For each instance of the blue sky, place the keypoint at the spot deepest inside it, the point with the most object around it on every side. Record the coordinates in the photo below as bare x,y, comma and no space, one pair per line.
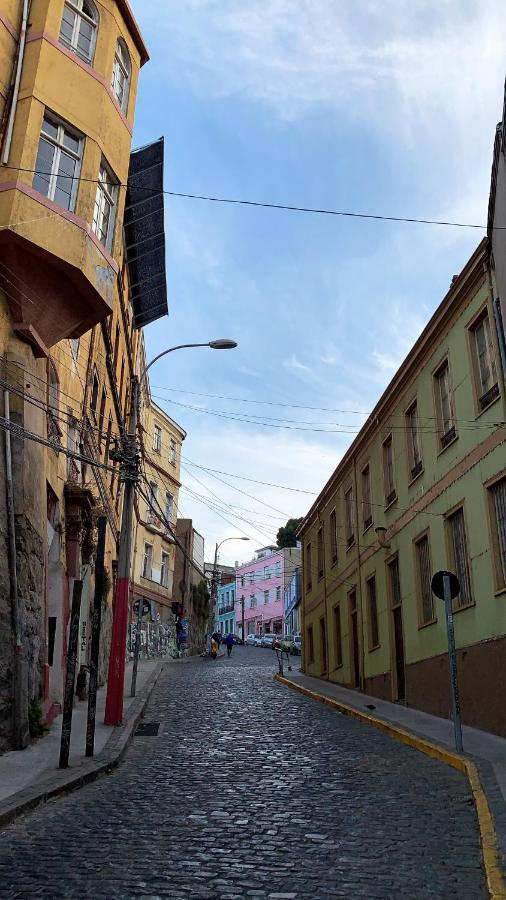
386,108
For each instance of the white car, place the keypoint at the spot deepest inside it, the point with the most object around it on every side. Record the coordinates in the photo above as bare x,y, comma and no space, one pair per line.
268,640
250,640
258,641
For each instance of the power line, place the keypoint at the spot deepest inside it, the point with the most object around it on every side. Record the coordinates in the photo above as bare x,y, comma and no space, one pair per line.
234,201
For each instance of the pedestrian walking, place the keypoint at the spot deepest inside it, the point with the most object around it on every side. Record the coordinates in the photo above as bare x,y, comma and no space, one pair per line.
229,641
214,648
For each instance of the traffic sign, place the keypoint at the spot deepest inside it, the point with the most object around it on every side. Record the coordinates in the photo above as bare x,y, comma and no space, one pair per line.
438,585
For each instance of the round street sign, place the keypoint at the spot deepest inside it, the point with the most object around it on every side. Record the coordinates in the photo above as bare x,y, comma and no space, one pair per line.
438,588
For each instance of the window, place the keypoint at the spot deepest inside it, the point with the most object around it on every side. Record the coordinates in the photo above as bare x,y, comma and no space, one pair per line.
350,516
309,580
267,572
169,506
484,362
252,601
116,348
372,611
173,452
106,202
242,580
94,391
394,583
164,576
251,577
278,593
333,536
388,471
152,514
458,556
278,567
58,162
147,561
266,596
338,636
310,644
121,72
424,580
53,396
320,553
444,406
366,497
157,439
414,443
108,438
78,30
101,417
497,499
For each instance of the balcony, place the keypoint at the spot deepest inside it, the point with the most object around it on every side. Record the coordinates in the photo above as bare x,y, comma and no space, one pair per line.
57,277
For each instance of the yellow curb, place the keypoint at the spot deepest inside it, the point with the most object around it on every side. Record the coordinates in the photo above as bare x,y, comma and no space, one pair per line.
488,836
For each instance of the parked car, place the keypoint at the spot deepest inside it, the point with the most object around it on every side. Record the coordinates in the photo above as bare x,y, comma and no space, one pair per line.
258,641
268,640
238,640
283,643
250,640
296,645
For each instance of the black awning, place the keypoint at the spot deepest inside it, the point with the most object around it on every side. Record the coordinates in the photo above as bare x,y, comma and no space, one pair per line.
145,235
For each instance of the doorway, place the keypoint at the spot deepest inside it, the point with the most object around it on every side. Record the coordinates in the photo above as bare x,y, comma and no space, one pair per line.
355,657
323,645
399,660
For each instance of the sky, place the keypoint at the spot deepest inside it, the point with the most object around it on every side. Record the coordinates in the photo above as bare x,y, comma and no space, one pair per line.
349,105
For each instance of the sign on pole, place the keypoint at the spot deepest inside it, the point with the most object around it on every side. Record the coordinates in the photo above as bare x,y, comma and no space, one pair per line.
445,585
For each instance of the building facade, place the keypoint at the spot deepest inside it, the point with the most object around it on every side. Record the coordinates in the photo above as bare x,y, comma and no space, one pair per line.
293,598
226,608
71,308
421,489
156,516
190,592
260,585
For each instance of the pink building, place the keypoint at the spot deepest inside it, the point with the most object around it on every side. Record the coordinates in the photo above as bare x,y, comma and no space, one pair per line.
260,585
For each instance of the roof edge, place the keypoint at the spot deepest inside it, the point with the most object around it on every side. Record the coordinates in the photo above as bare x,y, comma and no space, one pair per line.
133,27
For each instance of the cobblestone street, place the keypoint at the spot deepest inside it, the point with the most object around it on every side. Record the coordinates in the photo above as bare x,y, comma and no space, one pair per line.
253,791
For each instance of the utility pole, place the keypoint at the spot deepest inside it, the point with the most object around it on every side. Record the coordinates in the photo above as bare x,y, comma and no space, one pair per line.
95,635
214,592
130,476
242,618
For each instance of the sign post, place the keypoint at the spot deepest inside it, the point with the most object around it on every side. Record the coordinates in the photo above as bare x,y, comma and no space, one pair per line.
445,585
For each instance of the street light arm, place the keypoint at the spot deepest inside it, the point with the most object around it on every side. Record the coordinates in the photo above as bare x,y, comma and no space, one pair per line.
164,353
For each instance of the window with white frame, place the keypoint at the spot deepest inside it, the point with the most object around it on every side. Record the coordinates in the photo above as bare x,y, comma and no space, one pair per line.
58,162
78,29
173,452
121,75
106,202
485,364
157,439
164,574
444,405
278,593
147,561
169,506
459,558
266,596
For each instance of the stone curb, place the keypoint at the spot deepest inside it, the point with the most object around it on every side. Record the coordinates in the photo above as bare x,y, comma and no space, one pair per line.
63,781
488,836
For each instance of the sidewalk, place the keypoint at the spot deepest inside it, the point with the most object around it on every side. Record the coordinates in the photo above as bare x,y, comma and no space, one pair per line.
31,776
488,751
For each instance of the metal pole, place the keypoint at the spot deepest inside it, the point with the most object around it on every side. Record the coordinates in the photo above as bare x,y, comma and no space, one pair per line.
95,635
20,729
71,674
452,662
116,675
137,647
242,615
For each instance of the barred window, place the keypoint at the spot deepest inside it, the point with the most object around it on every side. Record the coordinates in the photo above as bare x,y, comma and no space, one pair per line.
333,536
459,556
320,553
372,610
414,443
350,517
424,580
497,495
366,497
338,636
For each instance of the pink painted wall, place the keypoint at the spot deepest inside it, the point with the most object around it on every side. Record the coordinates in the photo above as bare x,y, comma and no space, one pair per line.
270,573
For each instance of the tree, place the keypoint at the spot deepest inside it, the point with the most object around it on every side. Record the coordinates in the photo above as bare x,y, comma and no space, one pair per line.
286,536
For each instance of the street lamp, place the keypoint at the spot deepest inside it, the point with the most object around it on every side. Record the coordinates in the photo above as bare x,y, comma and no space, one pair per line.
214,583
130,476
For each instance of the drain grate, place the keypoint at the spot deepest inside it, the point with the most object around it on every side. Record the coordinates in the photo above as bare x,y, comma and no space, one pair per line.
147,729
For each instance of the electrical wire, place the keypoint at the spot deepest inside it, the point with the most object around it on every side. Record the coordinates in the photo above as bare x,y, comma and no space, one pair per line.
278,206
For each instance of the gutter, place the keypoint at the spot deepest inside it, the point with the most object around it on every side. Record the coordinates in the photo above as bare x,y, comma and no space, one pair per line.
17,81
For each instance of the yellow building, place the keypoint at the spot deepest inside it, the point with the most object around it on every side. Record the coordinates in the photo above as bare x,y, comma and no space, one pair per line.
422,488
73,298
157,506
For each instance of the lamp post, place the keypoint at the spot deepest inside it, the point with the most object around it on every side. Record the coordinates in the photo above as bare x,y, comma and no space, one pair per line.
214,582
129,459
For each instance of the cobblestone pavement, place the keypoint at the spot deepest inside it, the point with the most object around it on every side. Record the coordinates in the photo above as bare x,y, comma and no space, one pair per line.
252,791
